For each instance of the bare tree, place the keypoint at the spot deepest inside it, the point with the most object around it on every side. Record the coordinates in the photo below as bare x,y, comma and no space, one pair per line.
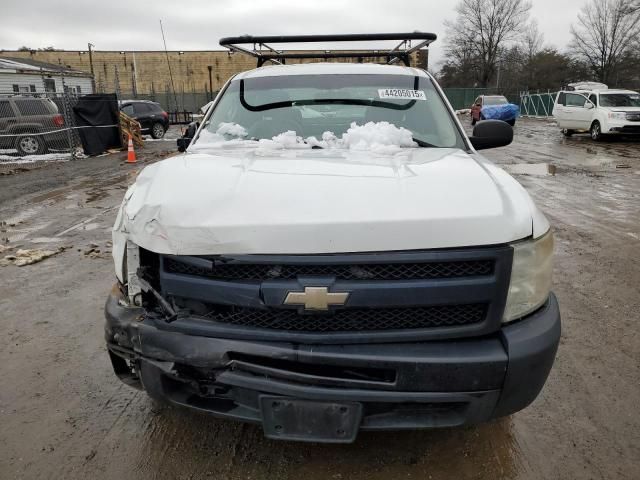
482,28
606,32
532,40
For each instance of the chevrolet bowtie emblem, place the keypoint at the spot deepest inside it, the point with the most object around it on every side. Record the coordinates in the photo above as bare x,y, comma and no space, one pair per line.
316,298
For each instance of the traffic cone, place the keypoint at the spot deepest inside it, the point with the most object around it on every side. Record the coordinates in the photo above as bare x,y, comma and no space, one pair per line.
131,153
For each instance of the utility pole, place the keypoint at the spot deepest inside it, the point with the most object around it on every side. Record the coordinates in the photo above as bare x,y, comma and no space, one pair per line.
210,68
93,77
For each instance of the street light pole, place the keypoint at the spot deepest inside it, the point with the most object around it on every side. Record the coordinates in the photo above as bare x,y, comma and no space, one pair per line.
93,77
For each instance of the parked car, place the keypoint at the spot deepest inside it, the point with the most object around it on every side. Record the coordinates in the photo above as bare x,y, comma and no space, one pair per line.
31,125
332,254
153,119
492,101
600,112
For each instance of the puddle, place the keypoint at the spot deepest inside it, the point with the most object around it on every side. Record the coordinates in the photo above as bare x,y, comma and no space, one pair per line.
530,169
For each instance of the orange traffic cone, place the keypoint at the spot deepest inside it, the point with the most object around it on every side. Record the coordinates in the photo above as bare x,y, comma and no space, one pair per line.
131,153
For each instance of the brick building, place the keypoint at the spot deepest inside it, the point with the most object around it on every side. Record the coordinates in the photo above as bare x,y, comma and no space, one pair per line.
145,74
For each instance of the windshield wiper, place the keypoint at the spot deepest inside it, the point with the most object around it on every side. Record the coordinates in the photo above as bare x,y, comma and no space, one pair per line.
322,101
423,144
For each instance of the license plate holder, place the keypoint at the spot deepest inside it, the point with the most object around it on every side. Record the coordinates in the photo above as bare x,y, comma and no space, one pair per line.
310,421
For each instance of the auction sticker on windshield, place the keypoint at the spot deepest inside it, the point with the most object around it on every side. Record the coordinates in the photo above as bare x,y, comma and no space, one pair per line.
402,93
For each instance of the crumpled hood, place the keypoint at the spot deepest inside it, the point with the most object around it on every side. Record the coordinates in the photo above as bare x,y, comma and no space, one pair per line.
249,201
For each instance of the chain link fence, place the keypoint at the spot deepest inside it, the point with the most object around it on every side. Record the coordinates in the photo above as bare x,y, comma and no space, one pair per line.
49,126
38,125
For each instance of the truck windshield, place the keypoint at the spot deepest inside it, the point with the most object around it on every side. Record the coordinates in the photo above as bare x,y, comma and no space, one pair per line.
312,105
620,100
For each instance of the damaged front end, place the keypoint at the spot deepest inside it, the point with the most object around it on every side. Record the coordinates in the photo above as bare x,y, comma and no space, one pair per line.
418,344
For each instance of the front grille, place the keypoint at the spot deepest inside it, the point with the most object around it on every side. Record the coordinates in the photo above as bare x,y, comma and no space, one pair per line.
379,271
349,320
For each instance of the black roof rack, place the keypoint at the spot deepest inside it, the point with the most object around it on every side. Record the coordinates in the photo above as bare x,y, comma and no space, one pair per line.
264,53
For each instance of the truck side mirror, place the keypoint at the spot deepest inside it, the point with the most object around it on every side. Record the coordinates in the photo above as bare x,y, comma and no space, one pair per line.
183,144
185,141
589,105
491,134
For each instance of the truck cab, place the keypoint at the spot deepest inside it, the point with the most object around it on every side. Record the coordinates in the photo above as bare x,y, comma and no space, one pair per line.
332,254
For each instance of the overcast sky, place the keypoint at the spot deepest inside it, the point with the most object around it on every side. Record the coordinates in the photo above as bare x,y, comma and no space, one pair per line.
198,24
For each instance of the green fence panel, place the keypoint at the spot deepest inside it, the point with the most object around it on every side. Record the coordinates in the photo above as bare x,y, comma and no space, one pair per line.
537,104
462,98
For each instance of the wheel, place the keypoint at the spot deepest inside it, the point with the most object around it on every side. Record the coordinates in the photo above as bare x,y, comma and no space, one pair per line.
512,122
596,131
157,130
31,145
566,132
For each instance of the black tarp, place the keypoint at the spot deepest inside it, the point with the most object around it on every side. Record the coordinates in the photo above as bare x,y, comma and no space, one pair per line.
98,117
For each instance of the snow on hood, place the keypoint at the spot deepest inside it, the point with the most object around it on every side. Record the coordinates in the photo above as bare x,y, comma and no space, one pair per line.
303,201
381,137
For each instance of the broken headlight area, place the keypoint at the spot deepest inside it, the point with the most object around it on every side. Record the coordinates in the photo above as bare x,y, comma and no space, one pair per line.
141,276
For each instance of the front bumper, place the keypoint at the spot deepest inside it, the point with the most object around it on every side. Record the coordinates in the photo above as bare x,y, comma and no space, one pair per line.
624,129
396,386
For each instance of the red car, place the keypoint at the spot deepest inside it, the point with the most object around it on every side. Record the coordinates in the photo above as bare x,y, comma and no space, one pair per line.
483,101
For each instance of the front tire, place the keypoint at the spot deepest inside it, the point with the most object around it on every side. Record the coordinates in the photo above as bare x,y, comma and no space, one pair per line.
30,145
157,131
596,131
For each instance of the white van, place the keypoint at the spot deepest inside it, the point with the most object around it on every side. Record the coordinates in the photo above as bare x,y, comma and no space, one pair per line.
598,111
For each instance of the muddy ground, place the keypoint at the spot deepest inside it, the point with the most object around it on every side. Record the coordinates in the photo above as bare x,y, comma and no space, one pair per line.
63,414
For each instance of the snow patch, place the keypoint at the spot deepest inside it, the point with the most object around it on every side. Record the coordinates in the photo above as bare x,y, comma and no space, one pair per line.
232,129
227,135
287,140
379,137
48,157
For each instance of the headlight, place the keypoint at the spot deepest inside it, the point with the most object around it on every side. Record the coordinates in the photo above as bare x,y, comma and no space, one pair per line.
530,277
617,115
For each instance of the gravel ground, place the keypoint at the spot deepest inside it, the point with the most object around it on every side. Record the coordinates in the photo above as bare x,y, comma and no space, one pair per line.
65,415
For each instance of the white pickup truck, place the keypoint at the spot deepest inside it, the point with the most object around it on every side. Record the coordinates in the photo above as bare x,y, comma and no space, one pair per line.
331,254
